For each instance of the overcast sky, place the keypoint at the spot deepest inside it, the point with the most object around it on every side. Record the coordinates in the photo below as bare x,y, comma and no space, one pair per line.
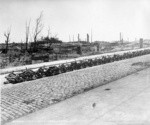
106,18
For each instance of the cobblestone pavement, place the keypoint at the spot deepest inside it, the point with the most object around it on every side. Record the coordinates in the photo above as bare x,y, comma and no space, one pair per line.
122,102
27,97
21,100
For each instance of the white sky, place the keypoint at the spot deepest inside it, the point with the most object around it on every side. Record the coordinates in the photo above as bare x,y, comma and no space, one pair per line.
69,17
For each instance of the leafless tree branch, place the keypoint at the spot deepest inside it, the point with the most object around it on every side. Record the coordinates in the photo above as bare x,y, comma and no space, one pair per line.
7,35
38,28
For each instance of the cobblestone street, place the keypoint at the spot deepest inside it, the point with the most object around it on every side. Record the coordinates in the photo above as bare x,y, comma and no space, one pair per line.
124,101
27,97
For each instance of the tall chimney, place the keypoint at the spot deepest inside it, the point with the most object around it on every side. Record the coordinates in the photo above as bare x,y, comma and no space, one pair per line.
88,38
78,37
120,37
141,42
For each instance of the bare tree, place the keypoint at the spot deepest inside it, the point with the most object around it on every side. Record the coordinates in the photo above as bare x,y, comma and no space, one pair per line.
7,35
38,28
27,33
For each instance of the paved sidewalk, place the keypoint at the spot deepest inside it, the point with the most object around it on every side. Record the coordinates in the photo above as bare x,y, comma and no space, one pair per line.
122,102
